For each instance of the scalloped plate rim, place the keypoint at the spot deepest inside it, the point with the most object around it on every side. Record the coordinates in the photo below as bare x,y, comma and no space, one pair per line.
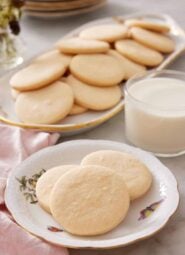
116,242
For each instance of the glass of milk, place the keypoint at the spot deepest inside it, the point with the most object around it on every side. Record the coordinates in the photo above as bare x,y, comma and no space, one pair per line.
155,112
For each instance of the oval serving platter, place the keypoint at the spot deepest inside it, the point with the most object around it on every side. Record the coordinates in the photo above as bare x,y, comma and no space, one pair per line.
80,123
146,216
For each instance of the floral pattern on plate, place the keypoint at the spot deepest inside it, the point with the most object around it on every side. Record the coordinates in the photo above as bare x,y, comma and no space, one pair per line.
145,213
38,222
27,186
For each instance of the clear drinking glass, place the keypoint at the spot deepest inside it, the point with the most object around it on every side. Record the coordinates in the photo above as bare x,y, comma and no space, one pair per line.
155,112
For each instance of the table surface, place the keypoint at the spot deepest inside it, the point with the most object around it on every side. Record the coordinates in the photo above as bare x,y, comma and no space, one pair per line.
40,34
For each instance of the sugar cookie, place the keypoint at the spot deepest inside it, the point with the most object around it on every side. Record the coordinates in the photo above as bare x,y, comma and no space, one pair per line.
14,93
150,25
46,183
138,52
77,109
94,98
66,58
129,67
39,73
89,200
45,106
76,45
97,69
153,40
106,32
136,175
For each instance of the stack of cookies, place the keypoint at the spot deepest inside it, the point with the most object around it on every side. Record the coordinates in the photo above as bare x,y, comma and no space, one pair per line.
84,72
60,8
94,197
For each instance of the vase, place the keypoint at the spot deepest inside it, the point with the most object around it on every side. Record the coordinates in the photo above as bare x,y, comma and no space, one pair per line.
11,50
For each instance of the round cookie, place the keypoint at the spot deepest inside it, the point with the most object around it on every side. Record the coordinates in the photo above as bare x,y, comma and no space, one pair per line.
106,32
129,67
76,45
136,175
97,69
66,58
40,73
15,93
153,40
46,183
85,200
94,98
139,53
77,109
150,25
45,106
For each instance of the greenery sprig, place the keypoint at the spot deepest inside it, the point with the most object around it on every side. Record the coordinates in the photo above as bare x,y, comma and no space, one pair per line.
10,13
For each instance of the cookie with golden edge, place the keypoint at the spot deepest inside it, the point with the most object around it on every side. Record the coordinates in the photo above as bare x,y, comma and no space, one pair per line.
139,53
40,73
46,183
47,105
76,45
129,67
77,109
154,40
136,175
14,93
94,98
106,32
89,200
97,69
147,24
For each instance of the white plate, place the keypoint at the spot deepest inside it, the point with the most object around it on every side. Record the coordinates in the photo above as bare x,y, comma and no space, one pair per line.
90,119
157,206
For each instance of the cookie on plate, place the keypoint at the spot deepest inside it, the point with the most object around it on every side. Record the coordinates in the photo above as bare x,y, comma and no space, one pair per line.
46,183
77,109
153,40
94,98
85,199
106,32
129,67
15,93
66,58
47,105
136,175
139,53
97,69
76,45
40,73
147,24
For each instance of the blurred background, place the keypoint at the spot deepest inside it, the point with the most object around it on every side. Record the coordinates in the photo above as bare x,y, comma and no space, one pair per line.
43,22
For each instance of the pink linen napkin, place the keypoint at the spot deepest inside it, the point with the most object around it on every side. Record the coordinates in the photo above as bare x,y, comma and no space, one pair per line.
15,145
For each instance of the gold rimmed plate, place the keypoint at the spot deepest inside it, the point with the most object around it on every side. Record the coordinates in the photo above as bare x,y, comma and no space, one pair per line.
80,123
